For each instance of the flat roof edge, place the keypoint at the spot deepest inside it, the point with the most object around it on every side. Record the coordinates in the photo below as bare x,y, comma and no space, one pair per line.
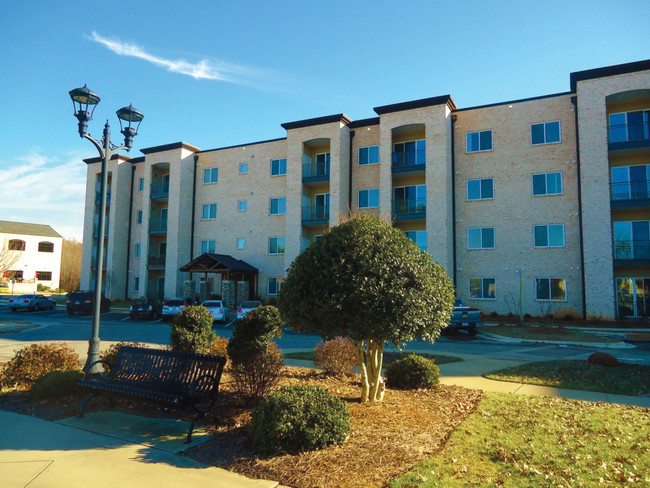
327,119
413,104
617,69
169,147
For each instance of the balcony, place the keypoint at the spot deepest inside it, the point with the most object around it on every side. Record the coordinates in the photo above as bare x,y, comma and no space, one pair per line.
410,209
315,215
632,253
158,226
156,262
630,194
96,230
412,160
625,136
315,172
159,191
93,263
98,196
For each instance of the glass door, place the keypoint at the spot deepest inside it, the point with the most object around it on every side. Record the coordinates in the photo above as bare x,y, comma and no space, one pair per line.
322,210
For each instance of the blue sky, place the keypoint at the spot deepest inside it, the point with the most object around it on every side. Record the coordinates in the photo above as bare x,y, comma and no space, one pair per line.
216,73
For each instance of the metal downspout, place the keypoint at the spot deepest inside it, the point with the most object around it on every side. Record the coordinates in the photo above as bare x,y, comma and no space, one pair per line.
453,202
350,175
196,160
574,101
128,238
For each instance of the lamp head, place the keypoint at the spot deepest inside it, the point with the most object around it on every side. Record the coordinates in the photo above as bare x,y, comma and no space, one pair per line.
84,102
129,115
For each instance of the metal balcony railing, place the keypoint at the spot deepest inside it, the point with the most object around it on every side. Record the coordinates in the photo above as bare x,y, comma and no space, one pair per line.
98,197
316,170
404,160
158,226
636,132
630,190
410,207
93,263
156,260
96,229
160,190
315,213
632,250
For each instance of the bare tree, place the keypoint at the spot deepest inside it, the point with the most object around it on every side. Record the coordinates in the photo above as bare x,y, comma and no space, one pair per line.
71,264
8,257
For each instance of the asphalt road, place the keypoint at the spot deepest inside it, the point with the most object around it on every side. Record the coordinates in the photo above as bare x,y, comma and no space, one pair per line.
57,325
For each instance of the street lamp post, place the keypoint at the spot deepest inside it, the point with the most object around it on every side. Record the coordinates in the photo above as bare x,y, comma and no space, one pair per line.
84,100
521,296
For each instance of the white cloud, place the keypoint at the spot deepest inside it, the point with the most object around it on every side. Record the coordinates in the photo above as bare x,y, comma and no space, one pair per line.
207,69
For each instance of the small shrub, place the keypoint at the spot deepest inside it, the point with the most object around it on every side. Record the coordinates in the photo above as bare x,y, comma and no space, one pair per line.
110,354
297,418
254,332
58,384
494,314
41,287
604,359
412,372
192,330
33,361
271,302
258,374
219,347
336,356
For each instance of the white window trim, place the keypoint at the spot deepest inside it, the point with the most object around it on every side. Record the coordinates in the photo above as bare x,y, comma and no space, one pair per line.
208,205
269,246
240,168
547,194
566,289
139,217
481,198
368,147
279,281
211,170
467,151
140,184
285,205
285,167
208,241
368,190
245,202
136,284
138,250
238,239
494,235
549,246
469,288
544,123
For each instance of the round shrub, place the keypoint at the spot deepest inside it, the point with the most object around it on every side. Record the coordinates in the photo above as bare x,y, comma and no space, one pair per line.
412,372
336,356
110,354
604,359
219,347
296,418
33,361
58,384
258,374
192,330
254,332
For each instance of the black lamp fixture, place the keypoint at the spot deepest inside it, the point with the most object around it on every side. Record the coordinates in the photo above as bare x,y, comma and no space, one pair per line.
84,102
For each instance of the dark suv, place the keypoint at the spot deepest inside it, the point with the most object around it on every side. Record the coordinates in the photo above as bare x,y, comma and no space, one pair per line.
82,301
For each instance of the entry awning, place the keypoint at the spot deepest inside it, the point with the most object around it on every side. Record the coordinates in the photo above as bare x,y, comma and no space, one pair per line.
218,263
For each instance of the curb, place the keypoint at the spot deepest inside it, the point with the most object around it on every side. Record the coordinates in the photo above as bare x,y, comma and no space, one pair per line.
603,345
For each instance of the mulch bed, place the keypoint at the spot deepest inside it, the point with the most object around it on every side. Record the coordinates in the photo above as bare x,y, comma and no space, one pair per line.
388,438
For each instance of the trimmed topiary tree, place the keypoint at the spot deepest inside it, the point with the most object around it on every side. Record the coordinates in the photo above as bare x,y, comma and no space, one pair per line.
367,281
254,332
192,330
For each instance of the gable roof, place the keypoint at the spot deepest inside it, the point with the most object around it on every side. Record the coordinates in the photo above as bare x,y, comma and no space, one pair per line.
8,227
217,263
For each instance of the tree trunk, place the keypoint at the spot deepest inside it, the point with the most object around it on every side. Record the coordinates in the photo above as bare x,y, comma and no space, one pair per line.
370,357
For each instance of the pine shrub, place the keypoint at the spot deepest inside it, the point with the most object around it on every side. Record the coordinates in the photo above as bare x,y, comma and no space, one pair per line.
297,418
33,361
336,356
58,384
412,372
254,332
192,330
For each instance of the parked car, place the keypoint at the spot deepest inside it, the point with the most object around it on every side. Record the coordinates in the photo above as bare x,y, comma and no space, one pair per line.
244,307
32,302
82,301
143,308
172,306
218,310
465,318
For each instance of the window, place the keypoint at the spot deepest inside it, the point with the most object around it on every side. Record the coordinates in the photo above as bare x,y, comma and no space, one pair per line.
369,198
479,141
138,249
44,276
138,218
140,184
276,245
16,245
210,175
136,284
207,246
631,182
274,285
545,133
368,155
419,237
547,184
482,288
278,206
482,189
550,289
480,238
241,243
243,168
629,126
409,153
632,239
45,246
209,211
278,167
242,205
549,235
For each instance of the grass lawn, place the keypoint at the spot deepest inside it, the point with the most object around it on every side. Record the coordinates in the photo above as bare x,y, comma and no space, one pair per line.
627,379
544,333
522,441
389,357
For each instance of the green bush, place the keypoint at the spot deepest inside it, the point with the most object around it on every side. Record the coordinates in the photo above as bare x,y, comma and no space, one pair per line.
254,332
412,372
336,356
33,361
40,287
110,354
258,374
297,418
219,347
58,384
192,330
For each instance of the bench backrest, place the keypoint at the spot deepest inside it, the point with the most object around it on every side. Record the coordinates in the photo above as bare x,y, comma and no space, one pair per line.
172,371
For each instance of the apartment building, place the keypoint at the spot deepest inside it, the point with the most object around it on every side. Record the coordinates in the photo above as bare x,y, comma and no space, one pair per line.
542,202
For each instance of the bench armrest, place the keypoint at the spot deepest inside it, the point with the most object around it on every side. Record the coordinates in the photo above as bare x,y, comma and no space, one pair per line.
86,374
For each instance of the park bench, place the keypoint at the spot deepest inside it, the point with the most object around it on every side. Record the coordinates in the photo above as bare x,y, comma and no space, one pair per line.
172,378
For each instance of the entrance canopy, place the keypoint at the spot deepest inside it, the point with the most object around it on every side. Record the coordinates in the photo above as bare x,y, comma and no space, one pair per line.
229,267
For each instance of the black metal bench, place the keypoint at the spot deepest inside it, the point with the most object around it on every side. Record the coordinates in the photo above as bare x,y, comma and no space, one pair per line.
173,378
